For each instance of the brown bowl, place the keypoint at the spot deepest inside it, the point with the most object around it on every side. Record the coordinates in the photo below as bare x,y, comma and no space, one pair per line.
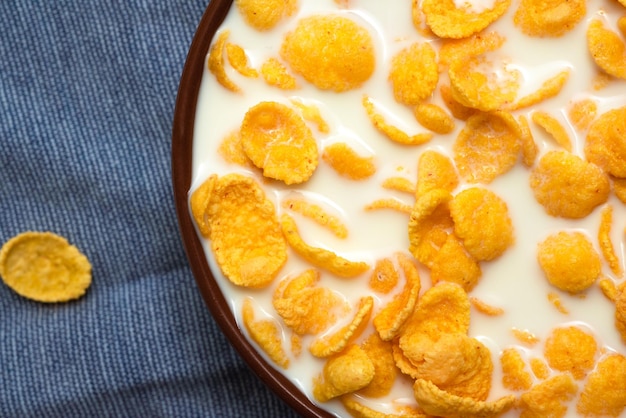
182,145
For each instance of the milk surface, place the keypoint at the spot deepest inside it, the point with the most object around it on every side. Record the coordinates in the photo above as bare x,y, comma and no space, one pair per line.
514,281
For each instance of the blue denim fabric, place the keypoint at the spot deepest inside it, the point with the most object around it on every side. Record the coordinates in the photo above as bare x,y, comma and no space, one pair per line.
87,92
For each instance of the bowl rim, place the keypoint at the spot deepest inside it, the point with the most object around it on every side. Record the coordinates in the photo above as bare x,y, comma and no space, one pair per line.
181,158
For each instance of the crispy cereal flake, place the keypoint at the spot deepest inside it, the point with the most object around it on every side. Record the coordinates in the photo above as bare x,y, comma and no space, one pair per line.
568,187
199,202
607,49
344,373
514,374
392,132
582,113
265,14
385,370
458,110
384,277
237,203
347,163
231,150
311,112
554,128
446,20
216,62
317,214
429,225
332,52
460,49
435,171
434,118
550,88
239,60
266,334
605,145
569,261
453,264
540,368
604,238
549,18
604,393
45,267
485,308
620,310
277,140
414,73
276,74
570,349
548,398
530,150
481,220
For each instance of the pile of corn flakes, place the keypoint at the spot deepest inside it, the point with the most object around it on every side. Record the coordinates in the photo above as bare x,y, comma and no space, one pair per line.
396,333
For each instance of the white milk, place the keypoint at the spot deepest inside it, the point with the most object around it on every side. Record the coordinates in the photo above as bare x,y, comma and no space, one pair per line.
514,281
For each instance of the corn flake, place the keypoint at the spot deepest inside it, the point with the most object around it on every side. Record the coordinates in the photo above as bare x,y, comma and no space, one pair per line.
457,109
392,132
540,368
604,238
482,222
555,299
620,310
317,214
608,288
582,113
347,163
548,398
487,147
400,184
484,308
385,371
460,49
549,18
393,204
607,49
570,349
216,62
605,145
384,277
514,374
530,150
331,52
446,20
619,188
568,187
237,203
554,128
453,264
45,267
550,88
276,74
389,320
199,202
231,150
266,334
338,341
318,256
434,118
239,61
414,73
435,171
437,402
312,113
569,261
344,373
525,336
265,14
358,410
604,393
277,140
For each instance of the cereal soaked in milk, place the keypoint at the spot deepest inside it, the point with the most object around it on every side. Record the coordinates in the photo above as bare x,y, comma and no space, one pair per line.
416,208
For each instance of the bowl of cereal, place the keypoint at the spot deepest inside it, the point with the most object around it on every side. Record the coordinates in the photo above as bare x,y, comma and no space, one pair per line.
412,208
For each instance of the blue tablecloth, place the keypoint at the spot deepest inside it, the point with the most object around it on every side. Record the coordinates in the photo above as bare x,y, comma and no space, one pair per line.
87,92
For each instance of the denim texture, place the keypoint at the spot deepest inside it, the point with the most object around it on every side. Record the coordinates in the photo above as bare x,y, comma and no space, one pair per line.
87,93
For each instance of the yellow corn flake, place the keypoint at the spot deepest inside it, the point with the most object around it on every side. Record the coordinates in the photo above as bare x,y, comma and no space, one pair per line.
548,398
549,18
317,214
338,341
429,225
482,222
393,133
320,257
568,187
457,109
266,334
419,21
550,88
487,147
332,52
604,238
437,402
608,288
276,74
555,299
216,62
199,202
602,81
434,118
265,14
442,309
384,277
484,308
305,307
607,49
277,140
619,188
455,363
358,410
453,264
514,374
385,371
312,113
605,145
414,73
460,49
435,171
237,203
604,393
344,373
45,267
402,362
582,113
400,184
554,128
530,150
393,204
620,310
569,261
446,20
296,345
572,350
478,83
231,150
239,61
540,368
346,162
525,336
389,320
